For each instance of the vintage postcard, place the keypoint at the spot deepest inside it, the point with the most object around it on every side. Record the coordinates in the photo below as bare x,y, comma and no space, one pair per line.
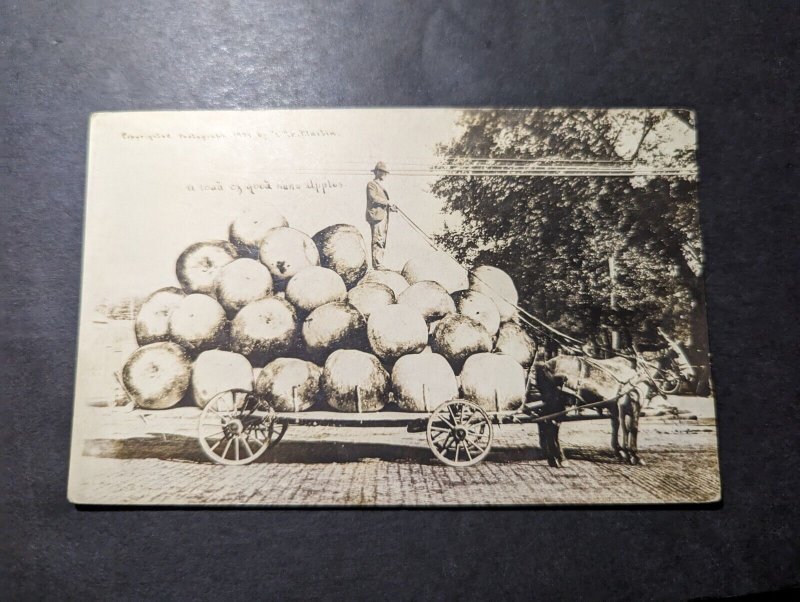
393,307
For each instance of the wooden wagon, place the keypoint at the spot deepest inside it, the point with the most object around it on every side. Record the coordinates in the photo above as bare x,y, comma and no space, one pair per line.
237,427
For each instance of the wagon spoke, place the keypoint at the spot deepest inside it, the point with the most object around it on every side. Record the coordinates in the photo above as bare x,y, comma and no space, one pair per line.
240,403
440,429
254,438
472,417
452,415
265,435
475,445
246,445
468,444
261,443
236,449
216,445
223,399
476,426
227,447
458,447
213,411
435,436
223,414
445,420
445,445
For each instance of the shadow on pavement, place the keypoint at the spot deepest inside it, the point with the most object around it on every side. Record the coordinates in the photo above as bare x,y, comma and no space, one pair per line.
181,448
591,454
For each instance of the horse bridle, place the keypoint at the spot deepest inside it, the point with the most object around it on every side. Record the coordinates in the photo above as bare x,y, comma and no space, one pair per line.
640,361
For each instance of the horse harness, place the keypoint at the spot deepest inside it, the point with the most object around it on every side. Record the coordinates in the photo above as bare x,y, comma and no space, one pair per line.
583,373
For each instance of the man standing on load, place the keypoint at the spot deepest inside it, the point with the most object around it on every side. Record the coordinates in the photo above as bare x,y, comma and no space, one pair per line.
378,208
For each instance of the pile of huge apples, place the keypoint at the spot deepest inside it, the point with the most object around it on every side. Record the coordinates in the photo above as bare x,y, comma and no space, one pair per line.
303,322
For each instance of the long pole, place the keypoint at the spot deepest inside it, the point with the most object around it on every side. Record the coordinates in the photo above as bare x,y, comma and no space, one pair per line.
524,317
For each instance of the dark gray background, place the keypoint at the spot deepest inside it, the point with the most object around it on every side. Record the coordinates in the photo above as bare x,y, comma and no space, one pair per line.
735,63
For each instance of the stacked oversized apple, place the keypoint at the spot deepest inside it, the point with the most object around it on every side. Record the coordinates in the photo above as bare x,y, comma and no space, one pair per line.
304,323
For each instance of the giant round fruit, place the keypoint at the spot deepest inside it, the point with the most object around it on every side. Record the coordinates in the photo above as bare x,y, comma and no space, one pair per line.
396,330
248,230
264,330
354,381
499,287
216,371
198,322
428,298
423,381
456,337
342,249
289,385
286,251
198,265
152,321
333,326
494,381
242,281
314,286
438,267
394,280
480,308
513,341
369,296
157,376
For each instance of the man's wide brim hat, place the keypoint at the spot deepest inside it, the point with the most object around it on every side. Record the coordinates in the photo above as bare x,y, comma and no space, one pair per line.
381,166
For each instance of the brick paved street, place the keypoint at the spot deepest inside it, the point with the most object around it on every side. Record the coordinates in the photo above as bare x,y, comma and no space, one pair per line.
390,467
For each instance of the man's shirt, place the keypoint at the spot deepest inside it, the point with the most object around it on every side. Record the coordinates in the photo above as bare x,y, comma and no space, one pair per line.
377,202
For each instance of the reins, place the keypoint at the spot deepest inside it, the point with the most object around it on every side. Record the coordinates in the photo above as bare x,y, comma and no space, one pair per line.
540,325
525,316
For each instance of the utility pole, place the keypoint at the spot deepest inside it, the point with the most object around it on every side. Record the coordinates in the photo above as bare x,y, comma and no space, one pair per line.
612,276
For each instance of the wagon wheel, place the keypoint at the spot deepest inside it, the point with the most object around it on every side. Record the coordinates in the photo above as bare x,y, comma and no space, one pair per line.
236,428
459,433
671,383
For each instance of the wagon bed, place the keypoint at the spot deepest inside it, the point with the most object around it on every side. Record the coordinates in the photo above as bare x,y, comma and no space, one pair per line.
385,418
414,421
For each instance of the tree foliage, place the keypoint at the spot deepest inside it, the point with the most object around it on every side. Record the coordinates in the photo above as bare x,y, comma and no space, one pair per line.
555,234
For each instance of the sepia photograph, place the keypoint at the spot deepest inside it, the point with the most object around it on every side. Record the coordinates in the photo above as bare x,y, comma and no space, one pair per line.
393,307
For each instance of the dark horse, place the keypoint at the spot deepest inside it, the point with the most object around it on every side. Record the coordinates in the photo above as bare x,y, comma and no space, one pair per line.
624,383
